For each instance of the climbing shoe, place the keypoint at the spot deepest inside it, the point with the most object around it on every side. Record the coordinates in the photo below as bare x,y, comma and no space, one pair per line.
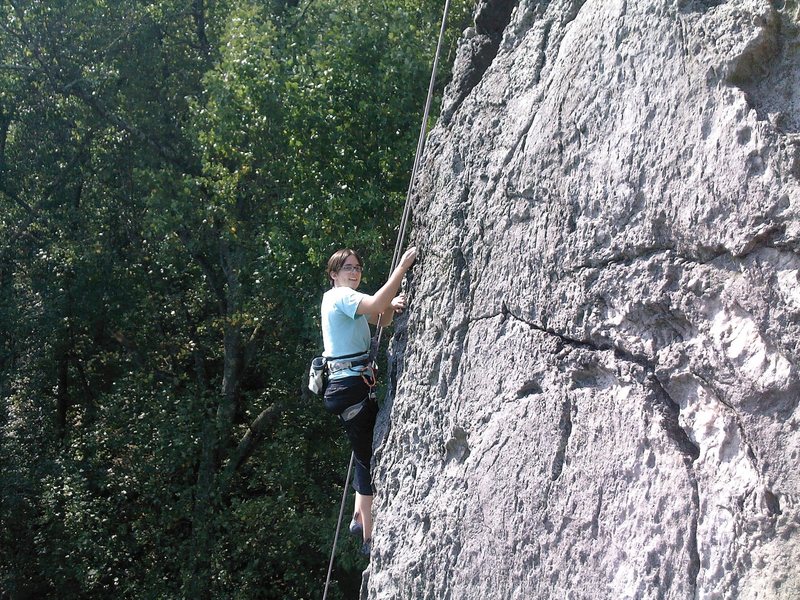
366,547
356,528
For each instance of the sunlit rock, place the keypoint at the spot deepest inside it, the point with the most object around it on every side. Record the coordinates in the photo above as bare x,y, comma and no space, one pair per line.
595,392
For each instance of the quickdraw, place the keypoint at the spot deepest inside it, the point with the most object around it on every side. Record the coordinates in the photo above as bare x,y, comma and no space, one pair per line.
368,375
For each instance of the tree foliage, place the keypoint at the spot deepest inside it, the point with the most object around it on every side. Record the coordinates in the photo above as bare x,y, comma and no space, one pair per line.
173,176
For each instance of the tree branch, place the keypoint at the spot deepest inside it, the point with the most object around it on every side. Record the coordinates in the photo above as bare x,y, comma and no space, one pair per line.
302,16
250,346
205,266
76,88
249,442
20,68
78,91
16,199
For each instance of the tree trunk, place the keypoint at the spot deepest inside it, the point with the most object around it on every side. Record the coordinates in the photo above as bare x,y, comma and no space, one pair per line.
199,15
199,585
62,396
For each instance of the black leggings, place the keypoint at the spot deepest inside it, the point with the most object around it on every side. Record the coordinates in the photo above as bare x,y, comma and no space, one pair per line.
341,394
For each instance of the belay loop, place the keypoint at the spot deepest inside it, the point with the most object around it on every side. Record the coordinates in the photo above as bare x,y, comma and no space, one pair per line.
395,259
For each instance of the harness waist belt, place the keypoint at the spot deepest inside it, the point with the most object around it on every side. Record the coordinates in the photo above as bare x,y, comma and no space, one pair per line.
338,365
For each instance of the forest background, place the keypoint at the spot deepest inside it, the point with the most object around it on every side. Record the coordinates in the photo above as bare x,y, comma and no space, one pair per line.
173,176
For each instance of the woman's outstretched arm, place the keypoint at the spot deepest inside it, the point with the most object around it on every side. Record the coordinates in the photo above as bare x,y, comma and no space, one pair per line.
380,302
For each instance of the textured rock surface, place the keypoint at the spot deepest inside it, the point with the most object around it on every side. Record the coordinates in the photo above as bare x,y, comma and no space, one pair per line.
597,385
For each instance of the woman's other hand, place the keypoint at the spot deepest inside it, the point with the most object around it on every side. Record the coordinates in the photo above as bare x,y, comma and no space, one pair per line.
399,303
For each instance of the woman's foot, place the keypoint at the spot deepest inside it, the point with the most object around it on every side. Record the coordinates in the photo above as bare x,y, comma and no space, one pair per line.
356,528
366,547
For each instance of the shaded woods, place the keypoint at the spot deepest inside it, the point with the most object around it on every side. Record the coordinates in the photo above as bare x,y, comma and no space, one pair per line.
173,176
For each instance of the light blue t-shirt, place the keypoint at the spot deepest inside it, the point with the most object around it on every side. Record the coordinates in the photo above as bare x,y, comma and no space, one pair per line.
343,331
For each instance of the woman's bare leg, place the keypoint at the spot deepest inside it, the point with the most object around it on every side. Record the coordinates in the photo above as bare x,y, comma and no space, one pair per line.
363,508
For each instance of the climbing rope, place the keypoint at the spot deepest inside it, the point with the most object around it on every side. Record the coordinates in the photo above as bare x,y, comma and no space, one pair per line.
401,234
338,526
423,131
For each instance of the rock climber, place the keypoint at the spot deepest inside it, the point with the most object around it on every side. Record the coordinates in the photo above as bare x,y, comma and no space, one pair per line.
346,314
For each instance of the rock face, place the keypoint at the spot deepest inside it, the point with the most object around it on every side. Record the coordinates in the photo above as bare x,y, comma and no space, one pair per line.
596,388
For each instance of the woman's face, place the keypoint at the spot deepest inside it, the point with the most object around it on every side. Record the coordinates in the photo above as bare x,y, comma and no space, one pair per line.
349,275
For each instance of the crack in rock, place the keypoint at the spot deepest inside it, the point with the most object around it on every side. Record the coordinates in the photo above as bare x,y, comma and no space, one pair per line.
565,427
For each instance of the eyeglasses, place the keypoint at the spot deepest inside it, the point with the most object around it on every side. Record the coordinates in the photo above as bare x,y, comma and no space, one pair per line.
349,268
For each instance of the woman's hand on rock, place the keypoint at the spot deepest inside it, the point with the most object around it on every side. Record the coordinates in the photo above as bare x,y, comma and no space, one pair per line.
409,256
399,303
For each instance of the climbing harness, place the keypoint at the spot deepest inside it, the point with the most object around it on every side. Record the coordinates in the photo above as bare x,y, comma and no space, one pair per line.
376,339
322,367
351,412
348,362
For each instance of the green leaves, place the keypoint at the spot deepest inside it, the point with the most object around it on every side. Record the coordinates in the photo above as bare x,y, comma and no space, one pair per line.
173,178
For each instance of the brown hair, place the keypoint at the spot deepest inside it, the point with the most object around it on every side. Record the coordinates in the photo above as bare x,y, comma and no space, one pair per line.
337,260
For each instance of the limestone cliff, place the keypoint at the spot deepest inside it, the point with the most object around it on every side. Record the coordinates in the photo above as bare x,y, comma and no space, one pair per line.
596,387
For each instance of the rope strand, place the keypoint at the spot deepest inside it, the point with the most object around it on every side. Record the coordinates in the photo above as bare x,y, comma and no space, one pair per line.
423,131
338,527
421,141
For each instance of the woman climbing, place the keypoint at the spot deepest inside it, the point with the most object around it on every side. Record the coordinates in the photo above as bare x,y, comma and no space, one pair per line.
346,337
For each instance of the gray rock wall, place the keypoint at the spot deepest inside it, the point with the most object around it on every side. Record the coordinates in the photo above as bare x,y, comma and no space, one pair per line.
596,388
